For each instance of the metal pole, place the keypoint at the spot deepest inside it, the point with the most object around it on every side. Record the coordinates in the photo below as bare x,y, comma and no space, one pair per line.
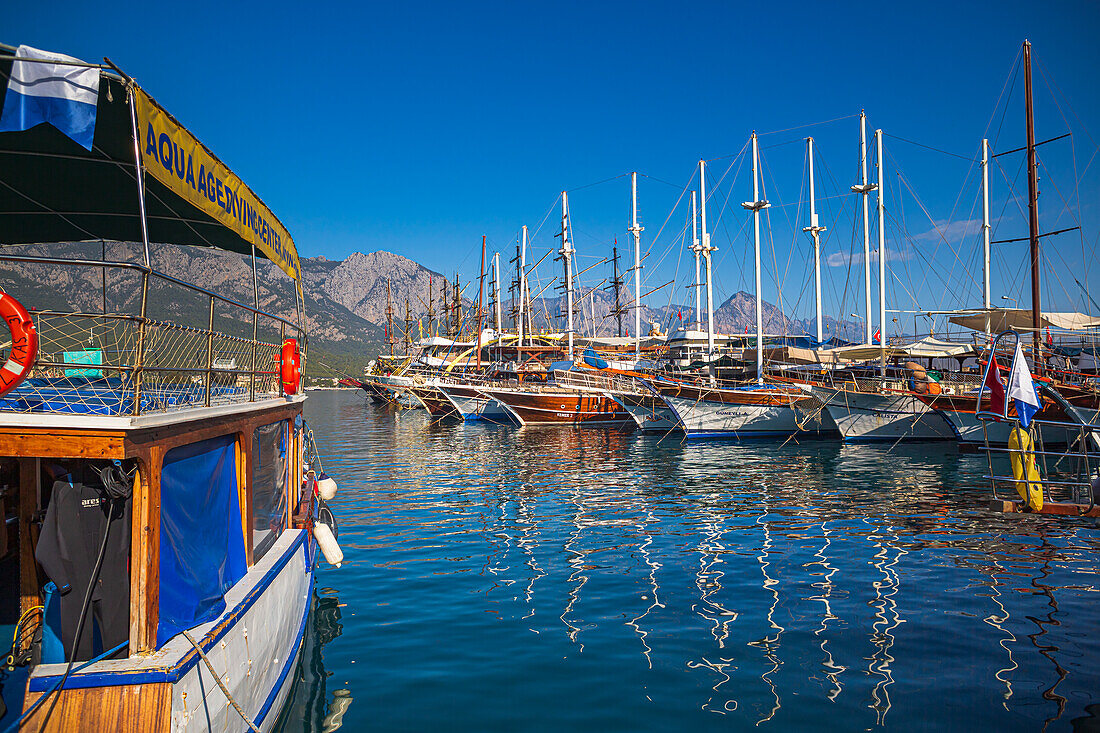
1033,214
881,257
522,283
210,353
815,232
755,206
864,189
637,232
986,302
255,327
695,249
140,358
480,300
567,256
707,249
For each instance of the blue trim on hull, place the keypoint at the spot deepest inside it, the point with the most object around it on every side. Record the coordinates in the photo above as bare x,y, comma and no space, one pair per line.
191,658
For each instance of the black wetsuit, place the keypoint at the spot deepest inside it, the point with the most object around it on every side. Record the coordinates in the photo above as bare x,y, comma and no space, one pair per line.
67,550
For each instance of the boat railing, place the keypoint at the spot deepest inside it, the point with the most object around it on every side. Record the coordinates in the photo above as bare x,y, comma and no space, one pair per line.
155,343
1075,472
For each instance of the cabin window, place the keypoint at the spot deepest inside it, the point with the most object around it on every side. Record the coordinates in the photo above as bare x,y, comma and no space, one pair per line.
269,467
201,546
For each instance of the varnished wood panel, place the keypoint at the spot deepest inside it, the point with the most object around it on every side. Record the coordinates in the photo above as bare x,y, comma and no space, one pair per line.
125,709
40,443
145,553
28,504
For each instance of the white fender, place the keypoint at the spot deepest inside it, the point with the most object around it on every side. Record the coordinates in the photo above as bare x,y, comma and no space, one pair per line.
328,544
326,487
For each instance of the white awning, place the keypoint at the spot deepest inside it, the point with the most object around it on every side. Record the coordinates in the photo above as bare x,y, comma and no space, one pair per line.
997,320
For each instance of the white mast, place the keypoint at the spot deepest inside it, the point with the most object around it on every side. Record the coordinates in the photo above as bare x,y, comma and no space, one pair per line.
881,258
637,232
522,283
496,293
985,224
815,232
864,189
755,206
566,253
696,250
707,249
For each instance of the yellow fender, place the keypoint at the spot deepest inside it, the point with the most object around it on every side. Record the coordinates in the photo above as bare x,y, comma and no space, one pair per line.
1024,469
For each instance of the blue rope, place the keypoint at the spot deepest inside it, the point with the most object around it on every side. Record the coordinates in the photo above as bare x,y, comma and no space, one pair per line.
30,711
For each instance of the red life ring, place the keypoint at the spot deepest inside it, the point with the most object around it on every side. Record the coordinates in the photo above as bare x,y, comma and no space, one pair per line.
24,343
290,367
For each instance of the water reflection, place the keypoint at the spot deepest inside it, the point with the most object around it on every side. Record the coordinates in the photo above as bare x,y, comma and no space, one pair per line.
809,584
308,708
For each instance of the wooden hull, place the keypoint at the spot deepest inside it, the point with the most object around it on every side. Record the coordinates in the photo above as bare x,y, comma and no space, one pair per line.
435,402
473,405
573,407
253,646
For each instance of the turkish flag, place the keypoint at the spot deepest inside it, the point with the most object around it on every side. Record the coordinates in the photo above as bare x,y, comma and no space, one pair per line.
996,388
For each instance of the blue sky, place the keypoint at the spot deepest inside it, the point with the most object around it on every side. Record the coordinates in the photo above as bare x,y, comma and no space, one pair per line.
418,127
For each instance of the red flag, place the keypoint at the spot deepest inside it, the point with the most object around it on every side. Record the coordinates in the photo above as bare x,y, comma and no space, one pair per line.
1050,339
996,388
680,313
877,336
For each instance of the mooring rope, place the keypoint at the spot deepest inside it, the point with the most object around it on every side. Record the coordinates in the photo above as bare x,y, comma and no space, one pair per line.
221,684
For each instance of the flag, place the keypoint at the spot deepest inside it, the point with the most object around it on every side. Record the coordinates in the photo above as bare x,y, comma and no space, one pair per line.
680,313
1021,388
1050,339
877,336
995,386
58,94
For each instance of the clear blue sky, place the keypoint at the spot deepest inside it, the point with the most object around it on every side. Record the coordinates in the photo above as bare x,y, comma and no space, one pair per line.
418,127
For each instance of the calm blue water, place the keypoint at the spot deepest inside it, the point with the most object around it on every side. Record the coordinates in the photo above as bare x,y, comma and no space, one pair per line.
499,578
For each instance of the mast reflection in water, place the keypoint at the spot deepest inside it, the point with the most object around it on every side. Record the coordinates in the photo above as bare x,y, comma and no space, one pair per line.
309,708
501,578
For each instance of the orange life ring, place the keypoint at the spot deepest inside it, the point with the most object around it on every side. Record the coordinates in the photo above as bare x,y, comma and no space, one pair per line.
290,367
24,343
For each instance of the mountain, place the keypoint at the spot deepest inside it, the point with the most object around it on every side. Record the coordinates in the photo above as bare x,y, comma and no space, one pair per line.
345,301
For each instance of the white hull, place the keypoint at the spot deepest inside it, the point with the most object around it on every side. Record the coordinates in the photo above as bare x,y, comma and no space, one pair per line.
863,416
253,646
969,429
658,418
702,418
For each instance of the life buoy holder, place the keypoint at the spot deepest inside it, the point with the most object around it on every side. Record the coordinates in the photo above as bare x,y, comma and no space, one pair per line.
24,343
1024,470
290,367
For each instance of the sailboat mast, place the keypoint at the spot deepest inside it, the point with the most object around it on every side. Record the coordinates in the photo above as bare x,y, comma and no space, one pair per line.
986,302
707,249
389,317
1033,213
864,189
695,249
637,232
480,301
617,284
881,258
498,320
755,206
408,325
567,257
523,285
815,233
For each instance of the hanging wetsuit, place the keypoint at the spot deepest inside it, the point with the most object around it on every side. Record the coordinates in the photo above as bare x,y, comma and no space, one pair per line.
67,550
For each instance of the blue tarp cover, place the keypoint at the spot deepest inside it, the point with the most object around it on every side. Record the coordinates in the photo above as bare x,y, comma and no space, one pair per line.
201,544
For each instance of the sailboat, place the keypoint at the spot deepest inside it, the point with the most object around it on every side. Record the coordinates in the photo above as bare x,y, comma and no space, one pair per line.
758,410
